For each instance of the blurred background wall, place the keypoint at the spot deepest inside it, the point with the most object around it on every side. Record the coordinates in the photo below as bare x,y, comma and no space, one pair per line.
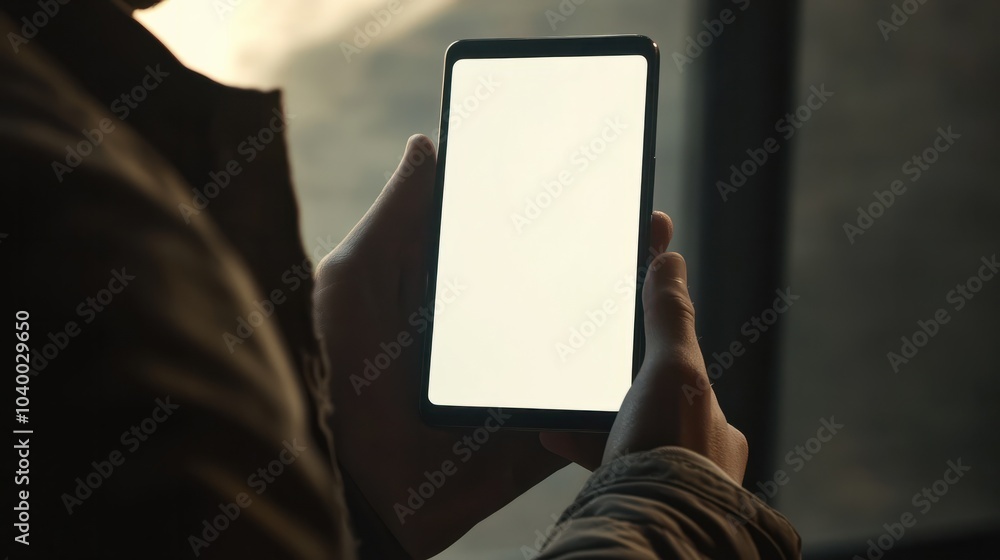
893,90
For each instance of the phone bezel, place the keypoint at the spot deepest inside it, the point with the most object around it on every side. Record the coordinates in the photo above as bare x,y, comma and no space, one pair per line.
531,418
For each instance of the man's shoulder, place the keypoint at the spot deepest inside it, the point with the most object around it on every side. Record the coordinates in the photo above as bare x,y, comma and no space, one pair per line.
31,83
48,119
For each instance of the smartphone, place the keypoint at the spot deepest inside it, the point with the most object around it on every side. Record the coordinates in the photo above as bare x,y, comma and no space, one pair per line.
540,231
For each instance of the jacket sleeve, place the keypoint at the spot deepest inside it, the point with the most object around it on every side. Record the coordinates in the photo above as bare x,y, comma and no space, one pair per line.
668,503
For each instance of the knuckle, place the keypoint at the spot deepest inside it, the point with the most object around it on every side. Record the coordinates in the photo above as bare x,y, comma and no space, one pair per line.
686,368
672,298
670,263
679,303
683,370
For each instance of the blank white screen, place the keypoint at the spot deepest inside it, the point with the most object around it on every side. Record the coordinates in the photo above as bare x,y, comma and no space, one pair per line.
539,231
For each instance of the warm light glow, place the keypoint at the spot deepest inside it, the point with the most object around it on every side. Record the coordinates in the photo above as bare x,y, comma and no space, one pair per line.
240,42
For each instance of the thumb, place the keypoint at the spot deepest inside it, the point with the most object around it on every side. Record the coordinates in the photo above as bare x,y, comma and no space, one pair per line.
411,186
401,208
668,312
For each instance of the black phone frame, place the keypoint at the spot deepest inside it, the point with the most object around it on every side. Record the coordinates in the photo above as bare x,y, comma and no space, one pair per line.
531,418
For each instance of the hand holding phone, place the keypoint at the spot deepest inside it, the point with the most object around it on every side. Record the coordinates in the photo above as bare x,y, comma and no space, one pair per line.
671,402
367,298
